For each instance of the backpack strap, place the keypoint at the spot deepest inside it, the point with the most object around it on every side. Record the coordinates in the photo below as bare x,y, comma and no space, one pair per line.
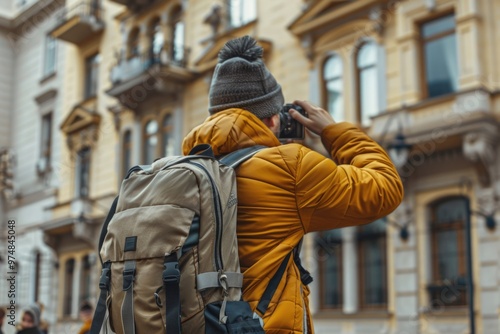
101,308
305,276
171,279
237,157
272,286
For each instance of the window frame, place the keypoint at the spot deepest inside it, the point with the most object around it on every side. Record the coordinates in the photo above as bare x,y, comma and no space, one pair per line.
361,268
50,53
422,43
241,19
434,227
358,71
322,272
91,83
85,160
325,82
47,125
67,306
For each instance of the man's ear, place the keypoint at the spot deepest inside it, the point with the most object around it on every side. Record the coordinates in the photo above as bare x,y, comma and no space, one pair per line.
272,123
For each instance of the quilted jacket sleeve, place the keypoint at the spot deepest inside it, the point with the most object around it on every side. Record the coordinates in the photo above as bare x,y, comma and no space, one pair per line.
357,187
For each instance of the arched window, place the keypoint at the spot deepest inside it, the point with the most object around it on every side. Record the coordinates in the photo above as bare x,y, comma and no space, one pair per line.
332,76
157,37
372,254
329,254
150,141
177,36
168,138
241,12
69,272
368,90
133,43
126,152
447,227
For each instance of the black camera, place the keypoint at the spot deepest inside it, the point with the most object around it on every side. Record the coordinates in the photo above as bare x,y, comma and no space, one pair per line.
289,127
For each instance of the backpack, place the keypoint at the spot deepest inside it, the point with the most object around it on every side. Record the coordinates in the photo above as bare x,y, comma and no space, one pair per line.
169,251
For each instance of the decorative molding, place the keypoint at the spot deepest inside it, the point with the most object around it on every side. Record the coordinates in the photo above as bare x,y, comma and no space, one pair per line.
480,148
81,128
46,96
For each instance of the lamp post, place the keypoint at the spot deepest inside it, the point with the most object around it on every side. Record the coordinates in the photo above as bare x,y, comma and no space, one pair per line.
399,150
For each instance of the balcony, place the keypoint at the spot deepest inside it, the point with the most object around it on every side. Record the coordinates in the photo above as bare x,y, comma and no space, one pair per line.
134,5
79,23
157,72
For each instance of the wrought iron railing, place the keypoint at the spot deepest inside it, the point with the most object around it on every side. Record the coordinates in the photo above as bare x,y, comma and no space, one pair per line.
89,8
132,65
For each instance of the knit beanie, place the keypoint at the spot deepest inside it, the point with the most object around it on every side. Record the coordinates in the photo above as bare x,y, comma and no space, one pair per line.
241,80
34,311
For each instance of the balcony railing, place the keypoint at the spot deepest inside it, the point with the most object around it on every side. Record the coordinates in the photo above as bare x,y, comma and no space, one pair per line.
77,24
130,67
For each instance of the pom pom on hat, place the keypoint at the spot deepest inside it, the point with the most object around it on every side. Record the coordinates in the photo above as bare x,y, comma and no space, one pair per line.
242,80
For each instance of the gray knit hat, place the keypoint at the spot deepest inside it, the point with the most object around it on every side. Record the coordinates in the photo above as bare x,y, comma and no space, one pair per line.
34,311
241,80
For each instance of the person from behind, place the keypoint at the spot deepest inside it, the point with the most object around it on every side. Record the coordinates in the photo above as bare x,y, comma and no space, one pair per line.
288,190
30,320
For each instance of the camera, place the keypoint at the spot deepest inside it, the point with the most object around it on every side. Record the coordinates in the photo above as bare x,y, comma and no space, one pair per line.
289,127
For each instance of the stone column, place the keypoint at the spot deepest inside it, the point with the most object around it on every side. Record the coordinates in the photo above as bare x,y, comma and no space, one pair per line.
75,298
350,272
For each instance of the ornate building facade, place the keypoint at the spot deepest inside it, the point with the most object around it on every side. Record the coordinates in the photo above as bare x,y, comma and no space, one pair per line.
131,78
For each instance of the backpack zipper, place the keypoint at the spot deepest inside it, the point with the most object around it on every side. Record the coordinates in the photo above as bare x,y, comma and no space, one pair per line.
218,218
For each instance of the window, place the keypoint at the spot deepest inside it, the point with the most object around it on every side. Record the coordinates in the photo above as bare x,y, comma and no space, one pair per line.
69,272
83,173
372,265
332,75
49,65
440,56
178,36
168,140
91,75
241,12
133,44
150,141
448,252
157,38
38,264
127,152
85,283
46,141
329,253
368,91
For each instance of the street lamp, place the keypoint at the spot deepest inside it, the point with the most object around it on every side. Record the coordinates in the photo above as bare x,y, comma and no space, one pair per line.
399,150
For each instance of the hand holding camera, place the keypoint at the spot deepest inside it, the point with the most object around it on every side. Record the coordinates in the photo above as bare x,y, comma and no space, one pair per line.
317,118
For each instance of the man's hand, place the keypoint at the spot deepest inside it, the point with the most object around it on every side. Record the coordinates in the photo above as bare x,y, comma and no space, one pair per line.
317,118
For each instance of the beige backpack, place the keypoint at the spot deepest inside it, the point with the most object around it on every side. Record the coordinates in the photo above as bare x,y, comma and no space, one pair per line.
169,250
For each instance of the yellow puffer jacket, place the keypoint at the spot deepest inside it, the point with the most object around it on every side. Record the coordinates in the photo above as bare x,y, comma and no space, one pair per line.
286,191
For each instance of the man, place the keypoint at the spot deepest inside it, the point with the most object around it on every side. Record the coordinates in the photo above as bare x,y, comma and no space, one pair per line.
86,316
30,320
286,191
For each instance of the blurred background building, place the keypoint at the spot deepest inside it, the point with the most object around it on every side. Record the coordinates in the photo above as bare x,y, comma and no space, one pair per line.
91,88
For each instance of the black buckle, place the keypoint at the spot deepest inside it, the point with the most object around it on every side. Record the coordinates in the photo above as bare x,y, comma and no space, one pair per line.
128,278
171,274
104,280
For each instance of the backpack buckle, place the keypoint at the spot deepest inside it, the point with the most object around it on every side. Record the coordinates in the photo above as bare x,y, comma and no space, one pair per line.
104,280
171,274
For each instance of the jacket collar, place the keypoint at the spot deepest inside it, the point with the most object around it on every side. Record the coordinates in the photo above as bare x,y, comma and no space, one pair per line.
230,130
